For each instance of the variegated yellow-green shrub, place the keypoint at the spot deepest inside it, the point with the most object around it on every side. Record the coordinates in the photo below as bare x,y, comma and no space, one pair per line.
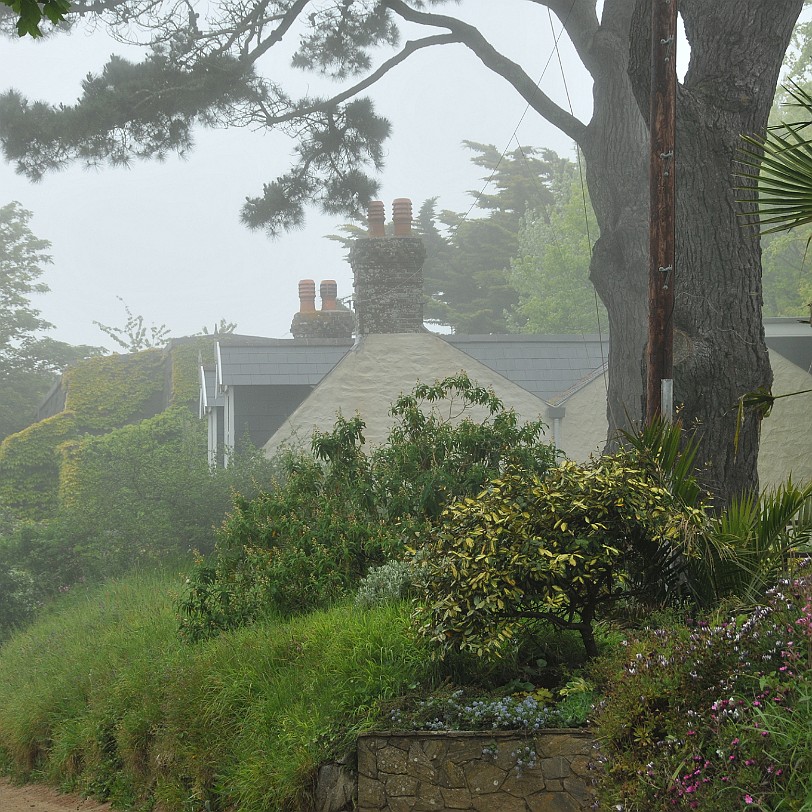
559,549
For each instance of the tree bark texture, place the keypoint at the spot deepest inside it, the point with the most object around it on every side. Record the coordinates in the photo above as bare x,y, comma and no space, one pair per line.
737,48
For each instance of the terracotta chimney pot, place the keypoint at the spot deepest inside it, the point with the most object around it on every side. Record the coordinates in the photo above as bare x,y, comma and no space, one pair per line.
307,296
328,291
402,217
376,219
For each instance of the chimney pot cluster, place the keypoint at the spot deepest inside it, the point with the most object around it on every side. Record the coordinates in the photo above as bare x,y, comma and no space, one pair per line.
331,321
401,218
328,292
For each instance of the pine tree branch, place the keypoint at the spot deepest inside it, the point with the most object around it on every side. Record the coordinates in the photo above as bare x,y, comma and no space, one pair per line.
288,19
408,49
473,39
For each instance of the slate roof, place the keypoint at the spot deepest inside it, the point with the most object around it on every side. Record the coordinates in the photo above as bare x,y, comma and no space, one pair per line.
546,365
552,367
543,365
273,362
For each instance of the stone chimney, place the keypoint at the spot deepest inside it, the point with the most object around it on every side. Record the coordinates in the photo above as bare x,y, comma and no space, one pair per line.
388,273
332,321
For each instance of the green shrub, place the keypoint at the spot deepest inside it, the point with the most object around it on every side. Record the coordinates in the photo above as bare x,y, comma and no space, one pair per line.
561,549
293,549
338,512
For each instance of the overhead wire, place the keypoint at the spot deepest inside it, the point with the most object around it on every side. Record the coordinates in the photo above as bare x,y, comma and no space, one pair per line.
585,205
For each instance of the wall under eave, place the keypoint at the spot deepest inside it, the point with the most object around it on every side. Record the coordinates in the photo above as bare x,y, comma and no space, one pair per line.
584,425
786,435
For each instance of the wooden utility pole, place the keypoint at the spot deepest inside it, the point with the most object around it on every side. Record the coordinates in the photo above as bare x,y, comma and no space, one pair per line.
662,186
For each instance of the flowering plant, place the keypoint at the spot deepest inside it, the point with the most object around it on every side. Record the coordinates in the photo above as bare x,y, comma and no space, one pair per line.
714,715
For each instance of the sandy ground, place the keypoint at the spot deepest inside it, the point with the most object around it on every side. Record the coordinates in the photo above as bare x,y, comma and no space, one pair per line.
39,798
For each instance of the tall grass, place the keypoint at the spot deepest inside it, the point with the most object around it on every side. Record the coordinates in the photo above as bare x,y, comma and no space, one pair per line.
101,695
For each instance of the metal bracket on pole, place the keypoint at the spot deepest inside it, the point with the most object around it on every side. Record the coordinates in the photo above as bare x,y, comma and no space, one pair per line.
667,400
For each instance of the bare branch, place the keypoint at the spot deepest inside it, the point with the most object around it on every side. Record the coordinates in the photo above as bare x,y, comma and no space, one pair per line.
471,37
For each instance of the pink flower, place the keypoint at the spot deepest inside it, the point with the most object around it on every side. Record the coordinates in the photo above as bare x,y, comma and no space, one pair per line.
748,799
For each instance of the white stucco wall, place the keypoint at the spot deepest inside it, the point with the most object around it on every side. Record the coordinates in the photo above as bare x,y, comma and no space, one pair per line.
786,435
377,371
584,425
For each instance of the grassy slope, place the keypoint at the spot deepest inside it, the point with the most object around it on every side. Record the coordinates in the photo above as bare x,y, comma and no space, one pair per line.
102,695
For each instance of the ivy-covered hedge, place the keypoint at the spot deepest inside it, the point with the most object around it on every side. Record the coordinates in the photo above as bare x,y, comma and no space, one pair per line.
185,378
144,491
29,467
111,391
103,394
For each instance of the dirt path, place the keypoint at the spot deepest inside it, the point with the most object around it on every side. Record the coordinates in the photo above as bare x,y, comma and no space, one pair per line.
39,798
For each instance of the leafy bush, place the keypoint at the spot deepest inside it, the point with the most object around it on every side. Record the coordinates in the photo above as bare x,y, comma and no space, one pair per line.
561,549
714,716
338,512
388,583
448,440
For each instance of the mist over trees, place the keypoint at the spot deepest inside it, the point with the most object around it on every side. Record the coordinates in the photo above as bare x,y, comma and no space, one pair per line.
29,360
205,69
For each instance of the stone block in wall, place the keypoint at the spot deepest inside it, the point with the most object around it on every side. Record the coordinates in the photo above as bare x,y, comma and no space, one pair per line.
418,771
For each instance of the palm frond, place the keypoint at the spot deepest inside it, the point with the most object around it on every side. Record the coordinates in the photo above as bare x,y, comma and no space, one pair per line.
673,451
782,162
761,536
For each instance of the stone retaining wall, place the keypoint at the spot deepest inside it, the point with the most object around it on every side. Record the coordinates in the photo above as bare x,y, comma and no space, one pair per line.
475,771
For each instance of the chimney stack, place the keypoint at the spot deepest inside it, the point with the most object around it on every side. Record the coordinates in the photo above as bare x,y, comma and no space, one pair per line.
332,321
388,273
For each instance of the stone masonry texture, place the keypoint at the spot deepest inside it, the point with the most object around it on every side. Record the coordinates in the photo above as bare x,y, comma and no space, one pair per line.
417,772
388,274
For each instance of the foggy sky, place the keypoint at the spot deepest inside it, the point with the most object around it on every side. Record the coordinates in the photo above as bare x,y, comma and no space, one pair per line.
166,236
